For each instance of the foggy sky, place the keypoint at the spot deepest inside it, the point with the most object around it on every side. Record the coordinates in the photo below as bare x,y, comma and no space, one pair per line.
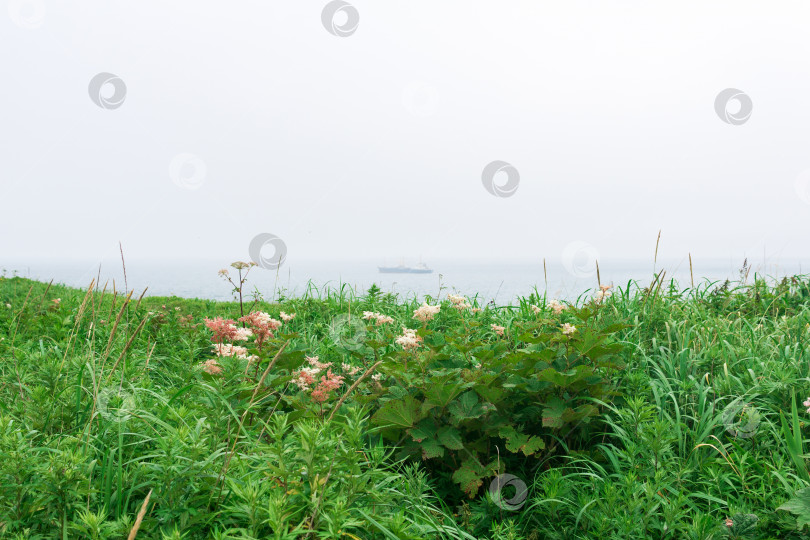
373,144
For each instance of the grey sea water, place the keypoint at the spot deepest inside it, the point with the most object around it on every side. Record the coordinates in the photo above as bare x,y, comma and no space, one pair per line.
501,281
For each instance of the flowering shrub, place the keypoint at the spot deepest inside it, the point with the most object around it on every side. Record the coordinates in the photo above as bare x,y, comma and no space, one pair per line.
472,405
468,396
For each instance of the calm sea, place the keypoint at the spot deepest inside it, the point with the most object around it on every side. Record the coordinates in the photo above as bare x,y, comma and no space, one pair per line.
500,281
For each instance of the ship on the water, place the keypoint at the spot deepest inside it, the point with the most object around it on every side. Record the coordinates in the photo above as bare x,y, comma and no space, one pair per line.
420,268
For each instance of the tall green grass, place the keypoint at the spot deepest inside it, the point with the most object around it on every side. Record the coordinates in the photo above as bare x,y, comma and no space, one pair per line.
94,415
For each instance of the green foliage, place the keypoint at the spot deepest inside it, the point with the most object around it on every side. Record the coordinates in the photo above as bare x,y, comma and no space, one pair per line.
698,437
477,404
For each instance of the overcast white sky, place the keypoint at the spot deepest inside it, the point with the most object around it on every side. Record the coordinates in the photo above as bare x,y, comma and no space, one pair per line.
373,145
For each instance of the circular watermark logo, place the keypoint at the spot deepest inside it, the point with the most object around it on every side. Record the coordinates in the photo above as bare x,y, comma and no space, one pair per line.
505,189
802,186
28,14
517,500
332,14
187,171
579,259
108,91
741,419
420,99
116,405
259,243
347,331
723,106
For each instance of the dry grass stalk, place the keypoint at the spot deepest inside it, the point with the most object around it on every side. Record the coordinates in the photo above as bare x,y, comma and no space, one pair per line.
77,322
126,347
141,298
139,519
351,389
114,329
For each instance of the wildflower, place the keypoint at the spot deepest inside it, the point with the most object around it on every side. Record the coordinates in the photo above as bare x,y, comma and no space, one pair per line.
306,377
262,325
223,273
807,404
556,306
212,367
57,301
378,317
536,310
242,334
328,383
476,310
603,292
240,265
568,329
729,522
225,349
8,306
350,369
459,302
425,312
313,361
498,329
287,317
177,308
409,340
377,377
223,329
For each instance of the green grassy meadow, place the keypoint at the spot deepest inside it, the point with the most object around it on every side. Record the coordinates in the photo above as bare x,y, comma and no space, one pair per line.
665,413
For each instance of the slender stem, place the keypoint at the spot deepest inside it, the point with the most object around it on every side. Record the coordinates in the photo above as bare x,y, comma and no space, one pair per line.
351,388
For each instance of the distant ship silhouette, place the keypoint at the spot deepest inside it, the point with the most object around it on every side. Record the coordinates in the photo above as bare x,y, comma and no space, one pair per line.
420,268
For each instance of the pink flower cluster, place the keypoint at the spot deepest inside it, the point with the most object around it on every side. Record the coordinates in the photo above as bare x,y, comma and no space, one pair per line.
498,329
349,369
556,306
328,384
223,329
306,378
287,317
262,325
425,312
806,403
314,362
380,318
212,367
226,349
568,329
458,301
603,293
409,340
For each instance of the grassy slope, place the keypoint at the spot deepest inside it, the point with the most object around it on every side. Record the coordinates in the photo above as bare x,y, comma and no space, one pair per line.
670,465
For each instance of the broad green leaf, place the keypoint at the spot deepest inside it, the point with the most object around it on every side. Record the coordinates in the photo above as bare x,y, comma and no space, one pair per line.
519,442
443,390
403,413
431,449
799,505
426,429
469,476
553,413
451,438
466,407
